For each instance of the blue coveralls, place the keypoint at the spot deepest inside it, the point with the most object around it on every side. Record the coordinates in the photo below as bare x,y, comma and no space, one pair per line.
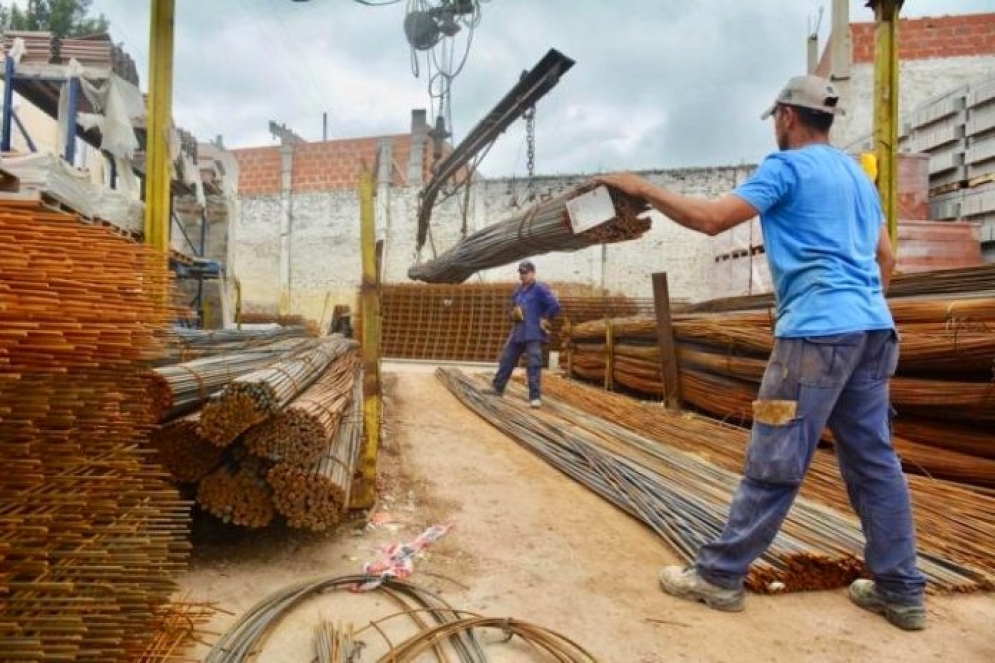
835,349
537,302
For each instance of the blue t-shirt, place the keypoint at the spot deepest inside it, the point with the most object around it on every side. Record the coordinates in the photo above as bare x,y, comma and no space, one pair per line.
821,219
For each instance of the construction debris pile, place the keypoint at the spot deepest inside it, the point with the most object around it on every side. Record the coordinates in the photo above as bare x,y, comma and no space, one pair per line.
91,532
271,429
677,472
470,322
944,376
544,227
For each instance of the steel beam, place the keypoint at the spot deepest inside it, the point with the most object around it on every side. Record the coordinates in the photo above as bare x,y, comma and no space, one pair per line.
532,86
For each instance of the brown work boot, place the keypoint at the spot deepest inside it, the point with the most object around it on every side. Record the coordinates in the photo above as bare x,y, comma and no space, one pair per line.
864,593
685,583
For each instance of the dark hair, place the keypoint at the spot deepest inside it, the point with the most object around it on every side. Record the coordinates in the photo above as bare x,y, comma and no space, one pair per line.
814,119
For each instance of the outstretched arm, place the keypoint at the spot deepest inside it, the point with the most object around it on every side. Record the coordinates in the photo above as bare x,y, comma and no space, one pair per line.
706,216
886,257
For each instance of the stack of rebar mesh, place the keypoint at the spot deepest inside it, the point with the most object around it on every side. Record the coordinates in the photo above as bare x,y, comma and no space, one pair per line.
92,534
471,322
677,472
267,431
943,390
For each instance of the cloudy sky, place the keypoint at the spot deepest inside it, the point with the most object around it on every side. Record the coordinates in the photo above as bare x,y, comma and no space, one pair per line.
657,83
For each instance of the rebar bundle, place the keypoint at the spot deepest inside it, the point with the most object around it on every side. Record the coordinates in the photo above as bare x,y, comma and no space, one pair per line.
944,373
684,498
91,536
237,493
181,450
178,388
542,228
302,432
316,496
336,644
186,344
953,522
252,398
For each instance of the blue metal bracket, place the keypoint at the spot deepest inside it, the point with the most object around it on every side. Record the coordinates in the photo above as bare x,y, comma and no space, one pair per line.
24,132
70,155
8,100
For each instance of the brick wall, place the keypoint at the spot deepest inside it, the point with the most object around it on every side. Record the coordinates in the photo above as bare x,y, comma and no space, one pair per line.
931,37
323,166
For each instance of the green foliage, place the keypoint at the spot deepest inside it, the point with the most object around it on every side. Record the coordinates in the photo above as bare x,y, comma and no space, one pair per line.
65,18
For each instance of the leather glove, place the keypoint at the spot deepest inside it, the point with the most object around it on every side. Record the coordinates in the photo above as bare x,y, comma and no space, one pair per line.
517,314
546,325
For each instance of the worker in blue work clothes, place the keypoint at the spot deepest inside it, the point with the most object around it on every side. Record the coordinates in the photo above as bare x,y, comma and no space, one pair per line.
835,349
532,307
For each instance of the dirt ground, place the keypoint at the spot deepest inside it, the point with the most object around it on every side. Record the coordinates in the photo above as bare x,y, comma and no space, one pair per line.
529,543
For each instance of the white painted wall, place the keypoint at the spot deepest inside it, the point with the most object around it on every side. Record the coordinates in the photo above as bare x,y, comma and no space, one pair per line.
325,250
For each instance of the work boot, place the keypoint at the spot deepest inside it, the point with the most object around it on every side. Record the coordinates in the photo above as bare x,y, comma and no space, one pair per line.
535,402
685,583
491,391
864,593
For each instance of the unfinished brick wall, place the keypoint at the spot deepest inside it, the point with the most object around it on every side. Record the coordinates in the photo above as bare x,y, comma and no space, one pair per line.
324,166
931,37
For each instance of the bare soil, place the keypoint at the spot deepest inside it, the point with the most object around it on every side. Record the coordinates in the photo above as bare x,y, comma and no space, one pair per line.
528,542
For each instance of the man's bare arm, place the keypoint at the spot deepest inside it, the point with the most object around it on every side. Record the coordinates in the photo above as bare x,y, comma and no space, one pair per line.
886,257
706,216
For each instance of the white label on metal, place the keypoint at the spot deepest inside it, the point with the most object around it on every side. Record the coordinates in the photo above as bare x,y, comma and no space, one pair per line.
591,209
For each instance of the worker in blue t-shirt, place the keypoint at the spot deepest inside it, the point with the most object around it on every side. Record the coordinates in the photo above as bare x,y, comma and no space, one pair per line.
835,349
530,310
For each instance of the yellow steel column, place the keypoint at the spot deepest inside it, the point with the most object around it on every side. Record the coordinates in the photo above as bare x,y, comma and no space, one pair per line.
886,107
159,115
364,490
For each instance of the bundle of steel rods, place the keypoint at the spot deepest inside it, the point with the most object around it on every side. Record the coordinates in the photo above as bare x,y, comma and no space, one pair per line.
301,432
685,498
252,398
237,493
961,281
953,522
185,344
944,373
179,388
542,228
91,534
182,451
298,461
315,496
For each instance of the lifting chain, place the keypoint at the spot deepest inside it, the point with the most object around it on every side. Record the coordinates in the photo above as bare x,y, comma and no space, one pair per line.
530,148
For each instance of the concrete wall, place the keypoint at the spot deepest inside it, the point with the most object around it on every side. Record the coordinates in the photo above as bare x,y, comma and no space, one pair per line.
920,82
325,251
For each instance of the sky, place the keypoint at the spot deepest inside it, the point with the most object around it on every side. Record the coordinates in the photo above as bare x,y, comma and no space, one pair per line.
656,84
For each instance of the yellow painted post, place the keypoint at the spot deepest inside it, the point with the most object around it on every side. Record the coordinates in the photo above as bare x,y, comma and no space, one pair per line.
886,108
159,115
364,488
